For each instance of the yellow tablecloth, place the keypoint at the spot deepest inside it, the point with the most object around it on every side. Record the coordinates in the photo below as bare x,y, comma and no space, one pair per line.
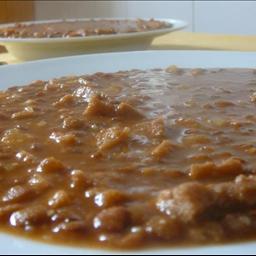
190,41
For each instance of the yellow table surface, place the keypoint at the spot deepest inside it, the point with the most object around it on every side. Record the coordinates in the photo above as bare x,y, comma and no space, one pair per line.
190,41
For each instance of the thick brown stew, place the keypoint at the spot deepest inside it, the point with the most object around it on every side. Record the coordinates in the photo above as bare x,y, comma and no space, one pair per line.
81,28
131,159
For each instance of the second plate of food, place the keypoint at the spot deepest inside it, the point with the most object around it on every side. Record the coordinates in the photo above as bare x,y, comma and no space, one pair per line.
55,38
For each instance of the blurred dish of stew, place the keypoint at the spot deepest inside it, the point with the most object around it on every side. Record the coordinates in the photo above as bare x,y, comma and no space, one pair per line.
45,39
81,28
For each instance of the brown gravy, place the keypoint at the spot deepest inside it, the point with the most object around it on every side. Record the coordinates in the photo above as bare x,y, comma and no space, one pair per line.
131,159
81,28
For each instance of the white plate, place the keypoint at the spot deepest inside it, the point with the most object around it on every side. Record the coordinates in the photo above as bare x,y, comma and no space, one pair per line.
38,48
19,74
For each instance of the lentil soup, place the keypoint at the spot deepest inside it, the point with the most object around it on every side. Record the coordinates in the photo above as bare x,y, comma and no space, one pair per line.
81,28
131,159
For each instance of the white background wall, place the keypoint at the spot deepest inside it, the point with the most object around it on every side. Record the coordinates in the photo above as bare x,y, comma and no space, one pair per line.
225,16
233,17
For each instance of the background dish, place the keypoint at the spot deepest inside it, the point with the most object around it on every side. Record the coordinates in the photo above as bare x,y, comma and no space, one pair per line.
37,48
21,74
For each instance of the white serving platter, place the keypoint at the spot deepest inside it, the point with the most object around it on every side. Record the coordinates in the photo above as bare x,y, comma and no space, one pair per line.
40,48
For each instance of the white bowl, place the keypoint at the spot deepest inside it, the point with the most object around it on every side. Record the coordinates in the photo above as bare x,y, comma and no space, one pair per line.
20,74
39,48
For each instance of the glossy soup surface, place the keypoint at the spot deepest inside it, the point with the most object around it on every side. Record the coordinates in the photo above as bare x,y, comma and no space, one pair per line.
131,159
